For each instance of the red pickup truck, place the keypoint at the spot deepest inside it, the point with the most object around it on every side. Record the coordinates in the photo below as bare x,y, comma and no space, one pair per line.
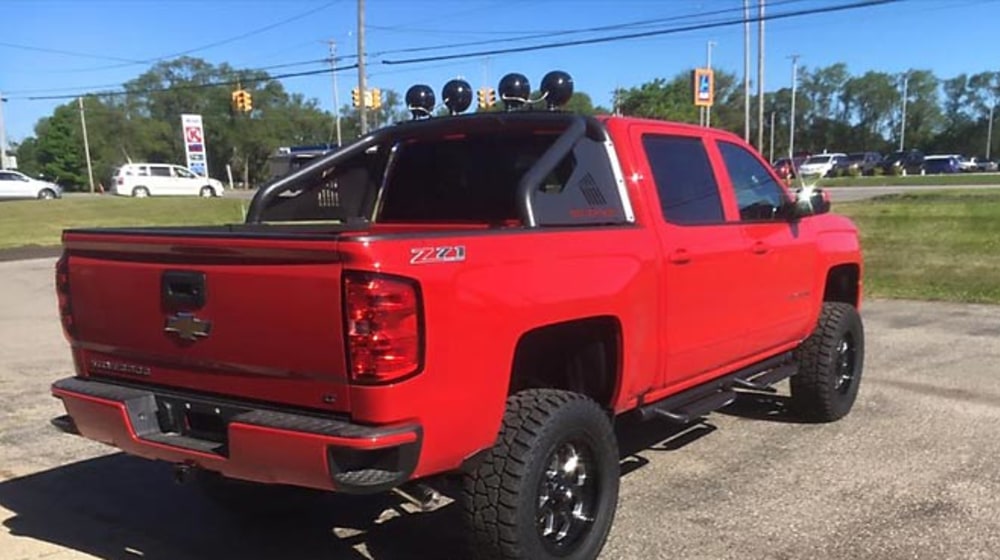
476,295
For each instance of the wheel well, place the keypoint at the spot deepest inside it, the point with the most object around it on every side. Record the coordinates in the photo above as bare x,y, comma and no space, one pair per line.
582,356
842,284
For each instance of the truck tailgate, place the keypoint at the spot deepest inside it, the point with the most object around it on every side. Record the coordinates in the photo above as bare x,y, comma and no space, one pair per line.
259,319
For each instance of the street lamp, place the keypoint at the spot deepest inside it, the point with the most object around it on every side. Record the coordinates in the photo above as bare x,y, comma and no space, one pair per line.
902,127
791,122
3,135
989,131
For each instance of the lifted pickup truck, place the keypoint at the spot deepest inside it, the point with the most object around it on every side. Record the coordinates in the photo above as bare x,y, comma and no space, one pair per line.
476,295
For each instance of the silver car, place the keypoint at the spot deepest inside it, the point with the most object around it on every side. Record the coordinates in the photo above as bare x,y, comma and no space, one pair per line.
14,184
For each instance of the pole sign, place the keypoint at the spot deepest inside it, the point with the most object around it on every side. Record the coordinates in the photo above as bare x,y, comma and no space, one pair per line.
704,87
194,144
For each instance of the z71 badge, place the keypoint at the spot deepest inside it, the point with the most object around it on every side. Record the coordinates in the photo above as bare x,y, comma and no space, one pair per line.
436,255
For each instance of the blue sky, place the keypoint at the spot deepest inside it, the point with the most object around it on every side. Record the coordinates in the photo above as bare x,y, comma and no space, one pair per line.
102,43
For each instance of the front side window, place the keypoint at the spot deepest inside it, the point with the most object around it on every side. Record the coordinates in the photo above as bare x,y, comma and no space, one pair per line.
688,192
758,195
183,173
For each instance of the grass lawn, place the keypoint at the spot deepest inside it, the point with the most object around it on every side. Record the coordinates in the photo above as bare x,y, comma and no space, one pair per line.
929,245
942,245
40,222
914,180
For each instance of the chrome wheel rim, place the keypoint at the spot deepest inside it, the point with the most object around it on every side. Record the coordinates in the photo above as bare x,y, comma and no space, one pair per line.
567,496
845,358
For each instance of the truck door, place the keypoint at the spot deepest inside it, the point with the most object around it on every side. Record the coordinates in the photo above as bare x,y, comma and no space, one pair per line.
698,295
779,261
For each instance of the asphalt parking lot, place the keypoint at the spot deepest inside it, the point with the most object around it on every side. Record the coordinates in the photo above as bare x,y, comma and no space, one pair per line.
912,473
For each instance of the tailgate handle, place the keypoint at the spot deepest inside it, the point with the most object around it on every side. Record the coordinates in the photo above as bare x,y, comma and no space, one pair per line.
183,288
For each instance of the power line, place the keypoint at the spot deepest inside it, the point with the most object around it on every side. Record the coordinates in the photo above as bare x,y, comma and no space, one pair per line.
106,86
644,34
232,82
62,52
129,62
549,34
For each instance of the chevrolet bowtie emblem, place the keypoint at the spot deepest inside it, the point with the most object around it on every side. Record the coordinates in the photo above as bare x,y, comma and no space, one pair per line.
187,326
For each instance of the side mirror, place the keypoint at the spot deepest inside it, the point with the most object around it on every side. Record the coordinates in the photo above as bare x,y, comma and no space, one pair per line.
809,201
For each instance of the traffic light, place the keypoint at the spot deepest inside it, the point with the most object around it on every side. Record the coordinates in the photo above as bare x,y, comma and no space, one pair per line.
242,101
481,97
491,97
356,97
376,98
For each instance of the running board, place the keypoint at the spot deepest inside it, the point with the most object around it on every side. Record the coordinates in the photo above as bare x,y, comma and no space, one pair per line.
690,405
695,410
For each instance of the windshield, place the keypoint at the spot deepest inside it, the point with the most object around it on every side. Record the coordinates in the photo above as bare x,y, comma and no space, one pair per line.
856,157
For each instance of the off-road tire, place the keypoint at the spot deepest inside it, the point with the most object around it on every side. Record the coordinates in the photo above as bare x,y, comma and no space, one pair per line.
504,497
830,364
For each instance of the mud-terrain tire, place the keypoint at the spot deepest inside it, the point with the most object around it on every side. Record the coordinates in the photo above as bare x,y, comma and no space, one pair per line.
549,486
830,364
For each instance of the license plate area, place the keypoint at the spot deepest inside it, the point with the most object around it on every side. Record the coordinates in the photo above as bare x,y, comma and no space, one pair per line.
205,421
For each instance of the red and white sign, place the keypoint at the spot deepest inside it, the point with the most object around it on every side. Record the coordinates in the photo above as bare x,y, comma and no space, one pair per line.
192,134
194,143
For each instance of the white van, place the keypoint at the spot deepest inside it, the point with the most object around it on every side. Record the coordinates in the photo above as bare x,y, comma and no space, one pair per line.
161,179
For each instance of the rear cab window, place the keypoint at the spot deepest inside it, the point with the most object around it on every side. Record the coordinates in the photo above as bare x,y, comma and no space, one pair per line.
685,182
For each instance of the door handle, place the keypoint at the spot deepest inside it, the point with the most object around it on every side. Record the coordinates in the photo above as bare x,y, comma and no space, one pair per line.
680,256
760,248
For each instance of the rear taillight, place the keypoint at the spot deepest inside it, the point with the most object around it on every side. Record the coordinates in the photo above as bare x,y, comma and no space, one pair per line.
63,295
121,181
383,326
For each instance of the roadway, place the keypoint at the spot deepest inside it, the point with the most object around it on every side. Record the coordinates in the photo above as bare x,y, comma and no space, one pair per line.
910,473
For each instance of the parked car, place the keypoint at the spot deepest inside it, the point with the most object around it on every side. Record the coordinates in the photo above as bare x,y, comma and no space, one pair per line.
936,165
986,165
967,164
864,162
904,163
821,165
14,184
160,179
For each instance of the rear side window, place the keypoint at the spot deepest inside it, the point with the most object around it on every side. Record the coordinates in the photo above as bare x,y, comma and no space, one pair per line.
684,179
159,171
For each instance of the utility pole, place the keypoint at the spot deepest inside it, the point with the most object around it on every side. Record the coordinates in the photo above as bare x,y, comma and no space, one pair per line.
760,81
708,110
3,135
336,92
791,122
902,124
746,71
989,130
362,85
86,144
771,156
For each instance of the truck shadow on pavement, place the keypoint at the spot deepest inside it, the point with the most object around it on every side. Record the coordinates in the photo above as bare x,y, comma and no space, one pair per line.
121,507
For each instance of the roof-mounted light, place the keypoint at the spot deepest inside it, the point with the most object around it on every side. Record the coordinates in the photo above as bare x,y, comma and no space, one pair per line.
557,89
515,91
457,96
420,101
